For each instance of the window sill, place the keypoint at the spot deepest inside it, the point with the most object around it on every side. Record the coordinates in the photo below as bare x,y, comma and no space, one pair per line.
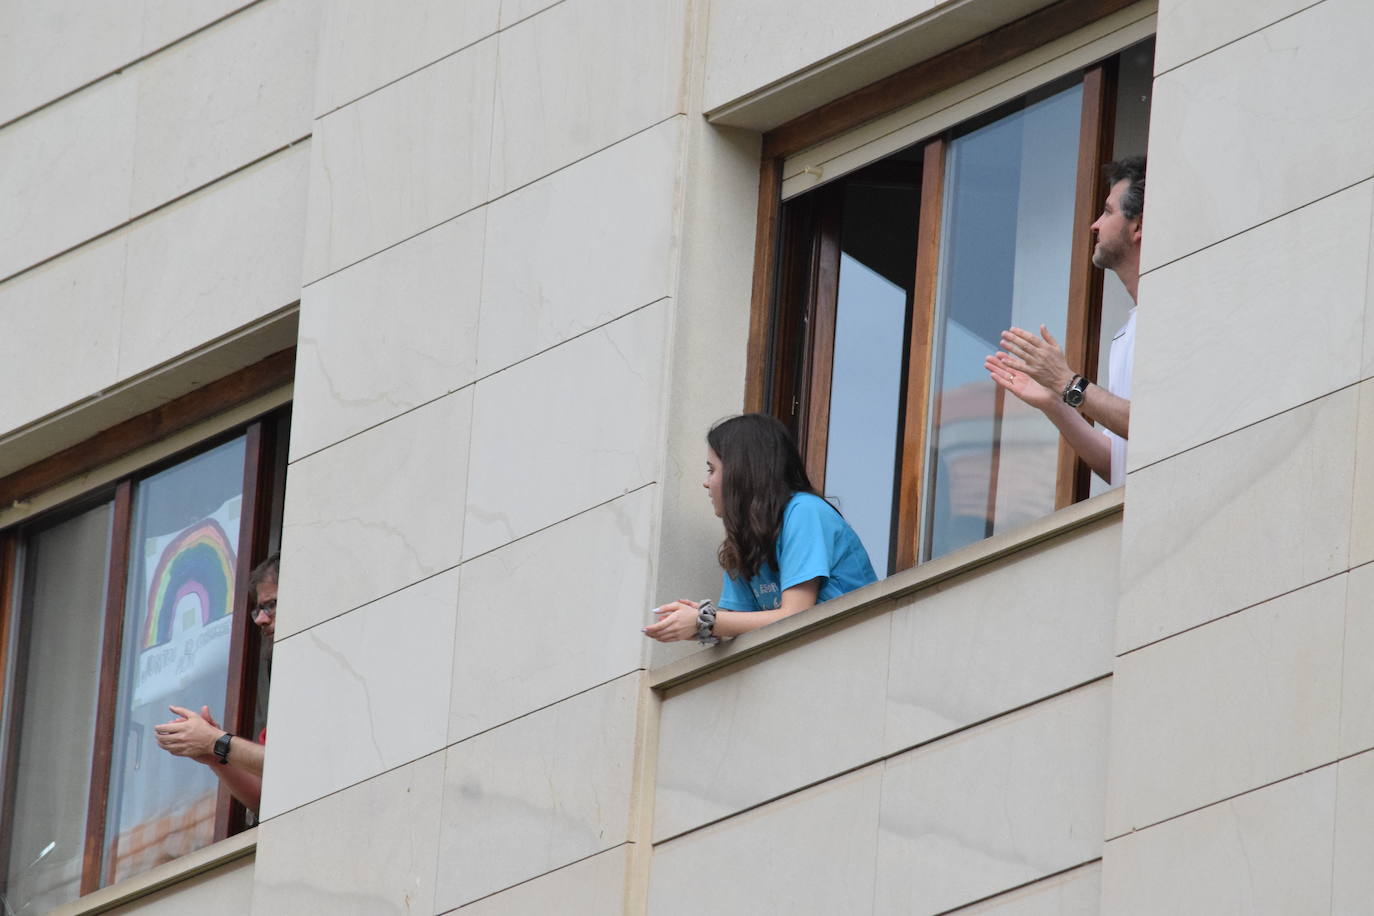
870,597
163,876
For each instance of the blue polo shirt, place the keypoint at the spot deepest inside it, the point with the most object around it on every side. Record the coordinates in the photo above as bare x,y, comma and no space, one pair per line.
816,542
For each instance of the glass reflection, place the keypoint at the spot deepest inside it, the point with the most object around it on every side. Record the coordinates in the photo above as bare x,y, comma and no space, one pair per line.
1007,230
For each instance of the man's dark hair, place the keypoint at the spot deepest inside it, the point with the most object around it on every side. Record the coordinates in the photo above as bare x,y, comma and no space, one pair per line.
1131,169
266,571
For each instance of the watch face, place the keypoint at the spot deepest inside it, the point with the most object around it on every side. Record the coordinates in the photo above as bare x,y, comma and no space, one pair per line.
1073,397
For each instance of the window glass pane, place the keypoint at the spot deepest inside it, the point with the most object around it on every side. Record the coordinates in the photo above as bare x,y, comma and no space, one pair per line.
877,270
64,611
178,613
1006,231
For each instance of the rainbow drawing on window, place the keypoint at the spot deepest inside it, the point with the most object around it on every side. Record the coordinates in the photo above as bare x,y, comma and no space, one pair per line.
198,563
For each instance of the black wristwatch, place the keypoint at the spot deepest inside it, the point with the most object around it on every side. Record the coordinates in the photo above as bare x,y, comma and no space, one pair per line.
222,747
1073,391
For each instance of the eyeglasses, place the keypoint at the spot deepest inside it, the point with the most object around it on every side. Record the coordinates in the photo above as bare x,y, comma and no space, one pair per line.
268,607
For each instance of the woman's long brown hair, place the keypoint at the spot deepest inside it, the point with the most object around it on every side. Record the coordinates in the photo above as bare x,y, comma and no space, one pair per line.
761,470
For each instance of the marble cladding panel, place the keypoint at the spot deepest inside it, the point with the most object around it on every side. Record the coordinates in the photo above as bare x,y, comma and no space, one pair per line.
375,513
218,892
214,261
1224,708
400,160
1362,521
591,887
572,428
538,793
61,340
369,850
771,727
580,247
1352,880
1008,802
59,192
365,45
1262,511
984,643
753,43
1213,319
551,614
362,693
809,854
579,77
1076,892
1188,29
1357,670
388,334
1265,853
1269,99
512,11
51,47
223,98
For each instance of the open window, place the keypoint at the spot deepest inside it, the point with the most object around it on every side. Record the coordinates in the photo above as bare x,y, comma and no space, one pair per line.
114,606
893,276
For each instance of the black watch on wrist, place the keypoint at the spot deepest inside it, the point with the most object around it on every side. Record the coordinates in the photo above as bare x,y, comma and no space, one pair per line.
1073,391
222,747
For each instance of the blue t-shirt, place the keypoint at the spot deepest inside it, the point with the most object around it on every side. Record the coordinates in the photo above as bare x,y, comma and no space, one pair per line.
815,543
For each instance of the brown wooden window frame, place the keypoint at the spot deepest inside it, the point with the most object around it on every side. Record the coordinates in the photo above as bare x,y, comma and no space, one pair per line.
263,441
790,352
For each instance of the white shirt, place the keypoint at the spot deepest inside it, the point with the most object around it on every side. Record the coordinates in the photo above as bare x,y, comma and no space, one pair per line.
1119,367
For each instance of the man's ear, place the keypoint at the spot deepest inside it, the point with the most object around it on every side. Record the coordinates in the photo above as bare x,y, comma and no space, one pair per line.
1139,231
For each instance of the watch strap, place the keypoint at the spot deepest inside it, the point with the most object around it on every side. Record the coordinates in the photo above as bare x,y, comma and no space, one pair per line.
222,747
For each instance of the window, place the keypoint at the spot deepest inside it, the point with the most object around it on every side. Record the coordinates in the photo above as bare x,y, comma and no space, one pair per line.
111,609
894,278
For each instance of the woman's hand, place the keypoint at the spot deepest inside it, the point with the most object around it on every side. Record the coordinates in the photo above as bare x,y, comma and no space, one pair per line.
674,622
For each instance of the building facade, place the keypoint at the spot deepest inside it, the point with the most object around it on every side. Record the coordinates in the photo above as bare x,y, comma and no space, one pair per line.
439,299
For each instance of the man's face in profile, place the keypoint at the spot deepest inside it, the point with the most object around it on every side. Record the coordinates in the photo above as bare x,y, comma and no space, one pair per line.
265,611
1115,234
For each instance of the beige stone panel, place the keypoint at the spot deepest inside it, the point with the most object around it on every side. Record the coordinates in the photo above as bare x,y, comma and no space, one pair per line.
538,793
1213,321
551,614
360,694
752,43
570,429
1352,880
400,160
1362,522
374,513
222,98
580,247
1357,670
388,334
769,728
1189,29
1267,99
591,887
51,47
1077,892
220,892
214,262
809,854
580,76
368,850
365,44
61,340
984,643
512,11
986,810
68,172
1265,853
1255,514
1221,709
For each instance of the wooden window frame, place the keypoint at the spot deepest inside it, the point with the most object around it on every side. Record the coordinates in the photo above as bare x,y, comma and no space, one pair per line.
259,473
772,335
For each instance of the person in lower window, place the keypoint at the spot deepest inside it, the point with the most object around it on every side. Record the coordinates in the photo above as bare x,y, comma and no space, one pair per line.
785,547
236,760
1034,368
